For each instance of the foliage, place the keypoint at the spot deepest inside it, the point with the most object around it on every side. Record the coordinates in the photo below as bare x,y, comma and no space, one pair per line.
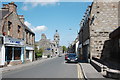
38,52
64,49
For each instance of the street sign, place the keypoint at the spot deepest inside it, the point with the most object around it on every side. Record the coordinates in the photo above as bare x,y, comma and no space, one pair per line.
48,49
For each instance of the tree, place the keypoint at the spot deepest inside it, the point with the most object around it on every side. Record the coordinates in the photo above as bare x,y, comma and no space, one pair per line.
64,49
38,52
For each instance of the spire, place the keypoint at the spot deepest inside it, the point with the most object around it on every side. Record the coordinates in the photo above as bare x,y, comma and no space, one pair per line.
56,30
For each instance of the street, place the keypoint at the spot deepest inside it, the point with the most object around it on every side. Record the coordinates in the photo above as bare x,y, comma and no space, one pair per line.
53,68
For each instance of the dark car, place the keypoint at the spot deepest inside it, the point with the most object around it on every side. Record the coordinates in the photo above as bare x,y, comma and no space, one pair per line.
66,56
71,57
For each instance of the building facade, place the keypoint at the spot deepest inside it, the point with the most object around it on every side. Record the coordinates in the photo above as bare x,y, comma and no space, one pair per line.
99,20
29,45
50,48
12,31
45,45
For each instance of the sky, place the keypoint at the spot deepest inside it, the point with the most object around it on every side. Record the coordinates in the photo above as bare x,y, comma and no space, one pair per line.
48,17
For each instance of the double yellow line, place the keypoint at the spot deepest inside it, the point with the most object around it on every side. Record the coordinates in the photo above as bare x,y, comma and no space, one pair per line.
80,75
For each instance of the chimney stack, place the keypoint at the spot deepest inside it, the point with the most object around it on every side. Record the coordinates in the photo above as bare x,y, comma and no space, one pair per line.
21,17
11,6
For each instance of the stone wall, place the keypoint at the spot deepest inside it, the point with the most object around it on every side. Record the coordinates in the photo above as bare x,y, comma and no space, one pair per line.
111,50
104,19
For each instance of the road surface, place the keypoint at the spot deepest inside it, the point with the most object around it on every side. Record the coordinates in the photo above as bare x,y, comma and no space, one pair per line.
53,68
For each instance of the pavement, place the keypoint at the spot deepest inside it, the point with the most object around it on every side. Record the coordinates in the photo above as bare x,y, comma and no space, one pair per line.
52,68
90,72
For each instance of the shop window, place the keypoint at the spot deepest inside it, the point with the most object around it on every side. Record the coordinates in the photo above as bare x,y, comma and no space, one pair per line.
8,53
17,53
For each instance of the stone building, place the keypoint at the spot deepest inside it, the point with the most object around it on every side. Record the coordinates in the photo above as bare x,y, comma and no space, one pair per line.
99,20
12,32
50,48
29,44
45,44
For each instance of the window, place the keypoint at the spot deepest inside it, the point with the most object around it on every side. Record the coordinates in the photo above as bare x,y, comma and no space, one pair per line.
27,54
17,53
26,37
19,31
8,53
9,28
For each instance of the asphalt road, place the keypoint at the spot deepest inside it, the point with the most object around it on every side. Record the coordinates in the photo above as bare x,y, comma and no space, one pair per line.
53,68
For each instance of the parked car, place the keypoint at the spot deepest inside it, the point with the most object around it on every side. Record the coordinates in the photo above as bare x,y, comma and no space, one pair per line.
71,57
66,56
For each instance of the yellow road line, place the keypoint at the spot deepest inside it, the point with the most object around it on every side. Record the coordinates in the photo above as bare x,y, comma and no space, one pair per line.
80,75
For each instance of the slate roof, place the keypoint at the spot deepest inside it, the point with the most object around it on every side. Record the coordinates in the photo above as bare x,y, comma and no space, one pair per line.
4,12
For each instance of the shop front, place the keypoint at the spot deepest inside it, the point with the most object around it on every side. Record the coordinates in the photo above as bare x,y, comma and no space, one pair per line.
14,51
29,53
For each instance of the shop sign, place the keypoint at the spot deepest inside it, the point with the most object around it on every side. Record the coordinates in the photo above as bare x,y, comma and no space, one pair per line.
48,49
29,48
1,40
13,41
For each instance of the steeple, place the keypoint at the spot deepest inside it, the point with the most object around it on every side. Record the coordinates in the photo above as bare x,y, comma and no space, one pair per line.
56,30
56,38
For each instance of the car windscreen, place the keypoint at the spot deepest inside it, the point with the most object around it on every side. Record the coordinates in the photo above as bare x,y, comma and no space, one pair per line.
71,55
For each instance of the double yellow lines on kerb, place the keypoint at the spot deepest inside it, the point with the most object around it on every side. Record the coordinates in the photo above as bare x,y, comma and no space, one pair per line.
80,75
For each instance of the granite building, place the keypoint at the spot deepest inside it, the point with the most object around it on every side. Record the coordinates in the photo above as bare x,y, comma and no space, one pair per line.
99,20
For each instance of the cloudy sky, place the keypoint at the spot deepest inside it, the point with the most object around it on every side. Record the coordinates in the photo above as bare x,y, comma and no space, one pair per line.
46,17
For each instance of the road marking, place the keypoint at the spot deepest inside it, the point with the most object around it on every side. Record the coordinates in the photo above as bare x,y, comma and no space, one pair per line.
80,75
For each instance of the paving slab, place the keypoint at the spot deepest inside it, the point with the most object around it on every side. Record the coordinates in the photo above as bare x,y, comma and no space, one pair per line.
90,72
